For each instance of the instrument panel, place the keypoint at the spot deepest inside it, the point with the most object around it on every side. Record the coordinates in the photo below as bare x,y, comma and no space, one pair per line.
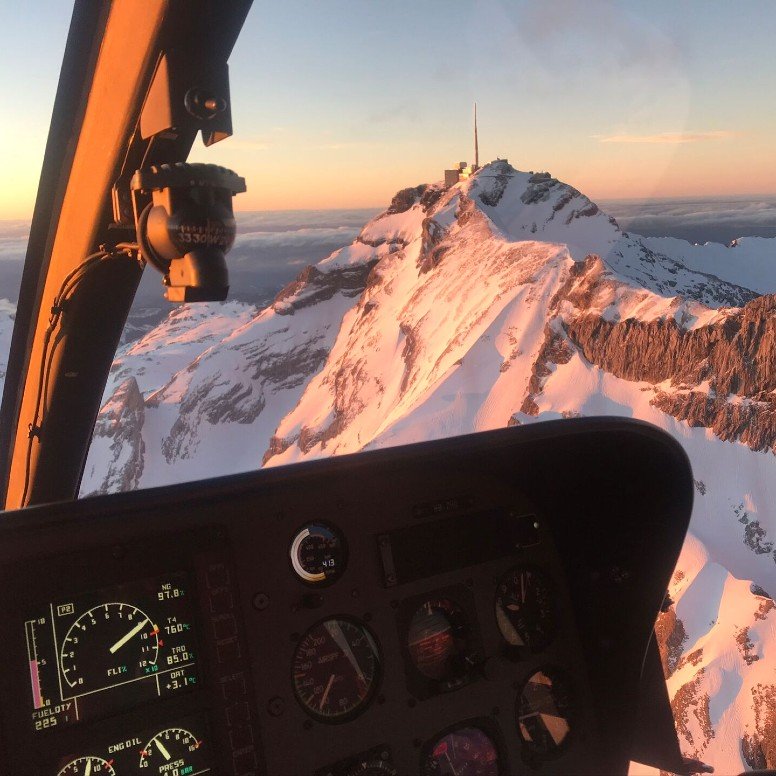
110,649
365,616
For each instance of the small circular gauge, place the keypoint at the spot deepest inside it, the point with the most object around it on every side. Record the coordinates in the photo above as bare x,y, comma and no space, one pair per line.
525,609
372,768
336,669
318,553
544,709
88,766
110,644
174,750
438,640
467,751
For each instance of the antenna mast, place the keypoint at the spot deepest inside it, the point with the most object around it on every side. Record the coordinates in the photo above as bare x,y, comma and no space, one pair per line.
476,146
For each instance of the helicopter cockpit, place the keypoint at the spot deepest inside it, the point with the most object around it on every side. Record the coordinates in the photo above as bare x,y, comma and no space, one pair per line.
477,605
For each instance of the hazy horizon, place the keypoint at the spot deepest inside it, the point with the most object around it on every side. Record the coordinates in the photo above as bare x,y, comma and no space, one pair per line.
272,246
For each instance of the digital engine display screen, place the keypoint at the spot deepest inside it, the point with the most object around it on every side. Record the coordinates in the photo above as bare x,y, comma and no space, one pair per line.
107,650
178,748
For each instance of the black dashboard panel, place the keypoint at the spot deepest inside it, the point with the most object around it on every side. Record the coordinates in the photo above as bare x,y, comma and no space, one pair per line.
478,605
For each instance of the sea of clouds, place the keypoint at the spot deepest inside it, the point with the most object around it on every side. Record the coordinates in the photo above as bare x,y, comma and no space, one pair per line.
697,220
273,246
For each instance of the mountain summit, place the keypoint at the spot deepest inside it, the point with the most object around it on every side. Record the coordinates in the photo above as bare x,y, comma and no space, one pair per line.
503,299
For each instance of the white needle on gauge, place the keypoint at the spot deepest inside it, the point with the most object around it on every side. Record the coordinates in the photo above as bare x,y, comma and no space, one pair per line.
326,692
163,749
342,642
124,639
452,767
88,771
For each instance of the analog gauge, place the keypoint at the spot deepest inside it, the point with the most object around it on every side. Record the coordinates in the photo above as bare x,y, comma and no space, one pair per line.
372,768
525,609
335,671
108,645
318,553
467,751
543,712
438,640
88,766
172,751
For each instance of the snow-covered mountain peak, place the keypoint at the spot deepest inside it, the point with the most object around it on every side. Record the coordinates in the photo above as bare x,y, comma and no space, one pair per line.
507,298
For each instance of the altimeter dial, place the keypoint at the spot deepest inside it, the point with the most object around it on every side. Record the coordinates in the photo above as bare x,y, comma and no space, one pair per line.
108,645
88,766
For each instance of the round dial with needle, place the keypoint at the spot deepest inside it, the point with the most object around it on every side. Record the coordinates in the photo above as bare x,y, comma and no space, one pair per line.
174,750
335,670
525,609
88,766
465,751
108,645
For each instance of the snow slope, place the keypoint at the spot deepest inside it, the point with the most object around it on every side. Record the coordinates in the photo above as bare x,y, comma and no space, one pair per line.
508,298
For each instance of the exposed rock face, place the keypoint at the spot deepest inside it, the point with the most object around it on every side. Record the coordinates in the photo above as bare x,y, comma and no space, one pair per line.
491,194
403,200
765,607
735,356
759,747
118,434
554,350
214,400
430,253
423,194
752,423
691,715
671,637
746,646
312,286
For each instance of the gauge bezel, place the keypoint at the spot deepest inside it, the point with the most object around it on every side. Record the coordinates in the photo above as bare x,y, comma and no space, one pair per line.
88,757
374,688
529,753
418,683
487,725
69,637
349,765
514,651
148,750
300,572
